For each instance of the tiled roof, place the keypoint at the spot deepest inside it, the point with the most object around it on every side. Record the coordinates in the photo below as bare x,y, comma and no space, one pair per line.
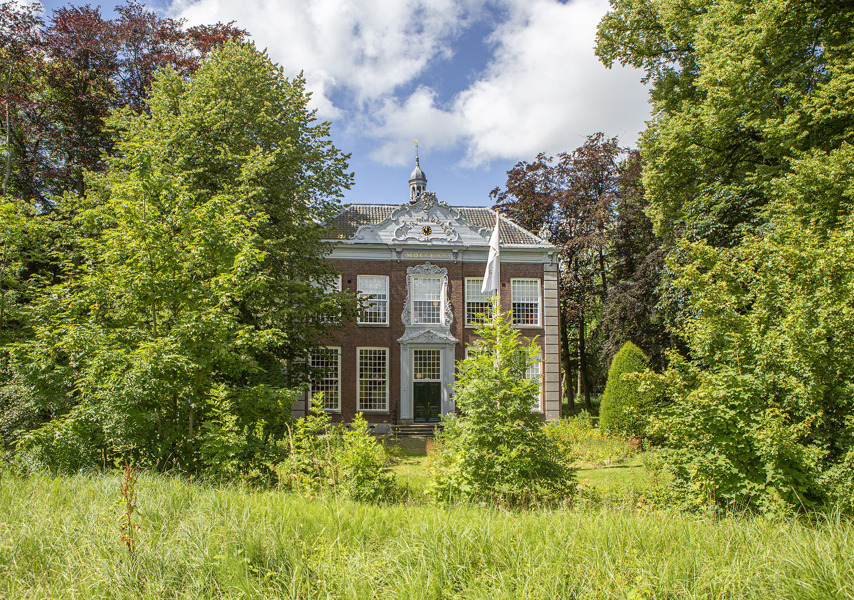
345,224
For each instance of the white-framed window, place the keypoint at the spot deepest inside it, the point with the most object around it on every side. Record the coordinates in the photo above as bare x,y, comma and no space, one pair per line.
374,288
477,303
427,301
427,364
525,301
330,287
372,379
327,376
535,371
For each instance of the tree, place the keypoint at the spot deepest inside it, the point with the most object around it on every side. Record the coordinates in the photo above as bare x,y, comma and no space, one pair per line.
18,43
748,163
739,90
497,449
64,76
590,204
168,324
631,311
80,57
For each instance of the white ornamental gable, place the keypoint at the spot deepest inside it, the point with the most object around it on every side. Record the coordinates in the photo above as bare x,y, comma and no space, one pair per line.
424,222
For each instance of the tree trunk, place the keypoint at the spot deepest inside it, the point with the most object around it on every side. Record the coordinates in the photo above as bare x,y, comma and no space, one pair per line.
566,359
8,134
602,271
583,368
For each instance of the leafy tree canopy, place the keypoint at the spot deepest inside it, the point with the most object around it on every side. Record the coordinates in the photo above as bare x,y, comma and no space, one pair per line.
740,90
192,285
748,168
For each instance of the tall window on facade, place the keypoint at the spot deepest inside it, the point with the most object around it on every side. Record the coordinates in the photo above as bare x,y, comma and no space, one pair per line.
373,379
330,287
427,300
327,378
375,289
525,301
477,303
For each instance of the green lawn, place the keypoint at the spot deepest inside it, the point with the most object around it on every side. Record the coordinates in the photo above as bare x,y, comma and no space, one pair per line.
410,464
410,467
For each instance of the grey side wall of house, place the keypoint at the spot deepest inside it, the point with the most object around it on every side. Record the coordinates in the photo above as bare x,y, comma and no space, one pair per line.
551,343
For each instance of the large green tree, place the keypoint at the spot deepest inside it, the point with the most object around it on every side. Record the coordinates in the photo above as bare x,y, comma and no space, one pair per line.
748,175
194,281
739,89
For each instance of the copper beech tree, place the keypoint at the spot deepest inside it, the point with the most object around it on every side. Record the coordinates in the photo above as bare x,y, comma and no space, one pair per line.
64,74
589,204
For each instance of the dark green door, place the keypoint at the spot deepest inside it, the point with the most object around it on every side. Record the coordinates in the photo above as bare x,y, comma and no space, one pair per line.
427,398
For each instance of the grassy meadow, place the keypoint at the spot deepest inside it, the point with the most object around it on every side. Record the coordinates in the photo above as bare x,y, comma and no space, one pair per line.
61,538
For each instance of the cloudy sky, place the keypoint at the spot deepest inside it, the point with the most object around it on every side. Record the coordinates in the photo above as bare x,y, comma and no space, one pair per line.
482,84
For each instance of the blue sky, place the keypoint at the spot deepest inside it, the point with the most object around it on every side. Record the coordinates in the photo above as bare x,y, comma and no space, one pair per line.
482,84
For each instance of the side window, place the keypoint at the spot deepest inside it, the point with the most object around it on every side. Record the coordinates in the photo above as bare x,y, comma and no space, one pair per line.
525,301
535,371
477,303
375,289
327,362
329,288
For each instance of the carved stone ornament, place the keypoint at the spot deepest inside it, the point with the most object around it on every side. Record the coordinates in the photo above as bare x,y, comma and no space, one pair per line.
428,335
427,221
427,269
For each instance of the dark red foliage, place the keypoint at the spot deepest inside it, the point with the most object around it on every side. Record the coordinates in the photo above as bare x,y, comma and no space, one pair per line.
19,44
65,76
589,203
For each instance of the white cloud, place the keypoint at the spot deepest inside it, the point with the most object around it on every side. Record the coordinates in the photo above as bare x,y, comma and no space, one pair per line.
545,90
367,48
418,118
542,89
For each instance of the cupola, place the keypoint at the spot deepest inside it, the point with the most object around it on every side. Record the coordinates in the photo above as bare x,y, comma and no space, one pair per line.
417,182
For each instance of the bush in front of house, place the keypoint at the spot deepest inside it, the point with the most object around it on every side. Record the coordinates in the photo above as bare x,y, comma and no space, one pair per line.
496,450
626,408
364,465
333,457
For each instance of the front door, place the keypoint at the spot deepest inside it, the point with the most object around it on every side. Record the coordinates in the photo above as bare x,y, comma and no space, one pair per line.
427,384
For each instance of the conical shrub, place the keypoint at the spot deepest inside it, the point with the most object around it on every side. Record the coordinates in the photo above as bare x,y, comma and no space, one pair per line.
625,409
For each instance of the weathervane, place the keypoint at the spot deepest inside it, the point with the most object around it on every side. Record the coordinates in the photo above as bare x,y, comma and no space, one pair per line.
416,150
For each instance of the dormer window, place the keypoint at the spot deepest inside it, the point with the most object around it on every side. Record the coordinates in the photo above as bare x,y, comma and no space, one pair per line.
427,300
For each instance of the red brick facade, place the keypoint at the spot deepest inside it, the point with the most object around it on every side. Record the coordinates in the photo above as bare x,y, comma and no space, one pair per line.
386,336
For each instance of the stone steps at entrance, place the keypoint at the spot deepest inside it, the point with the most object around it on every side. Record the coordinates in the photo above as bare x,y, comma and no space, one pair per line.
415,429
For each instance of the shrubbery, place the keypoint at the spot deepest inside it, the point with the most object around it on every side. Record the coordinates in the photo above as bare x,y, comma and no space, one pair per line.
326,456
497,449
626,408
762,414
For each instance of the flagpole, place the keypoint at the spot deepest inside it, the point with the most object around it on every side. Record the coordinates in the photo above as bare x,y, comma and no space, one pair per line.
492,275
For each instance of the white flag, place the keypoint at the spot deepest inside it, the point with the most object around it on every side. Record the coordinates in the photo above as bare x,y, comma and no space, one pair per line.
491,275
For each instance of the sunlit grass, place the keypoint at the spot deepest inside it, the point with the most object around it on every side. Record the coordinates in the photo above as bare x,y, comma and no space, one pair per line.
59,538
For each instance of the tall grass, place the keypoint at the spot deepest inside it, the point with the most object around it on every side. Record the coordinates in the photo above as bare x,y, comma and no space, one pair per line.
60,538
